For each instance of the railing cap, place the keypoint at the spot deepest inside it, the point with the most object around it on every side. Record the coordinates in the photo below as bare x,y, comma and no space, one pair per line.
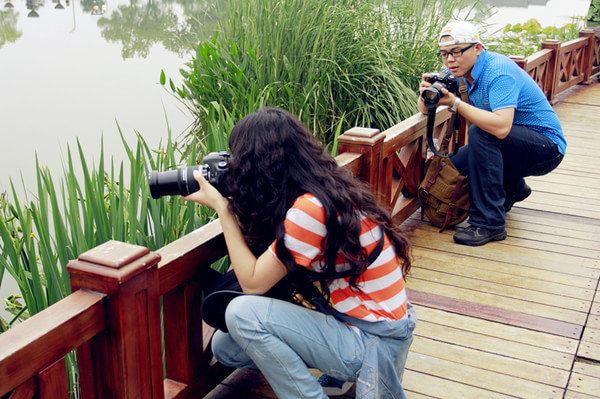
114,254
113,261
362,135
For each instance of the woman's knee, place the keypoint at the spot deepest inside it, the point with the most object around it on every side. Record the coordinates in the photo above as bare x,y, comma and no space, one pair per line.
227,351
243,310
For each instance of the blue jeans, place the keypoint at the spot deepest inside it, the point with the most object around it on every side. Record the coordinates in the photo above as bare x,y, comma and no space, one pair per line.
496,169
283,340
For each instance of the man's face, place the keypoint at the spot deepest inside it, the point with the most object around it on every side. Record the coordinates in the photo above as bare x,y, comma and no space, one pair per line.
466,56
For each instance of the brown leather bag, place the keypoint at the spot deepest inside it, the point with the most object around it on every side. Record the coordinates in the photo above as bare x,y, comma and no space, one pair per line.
443,193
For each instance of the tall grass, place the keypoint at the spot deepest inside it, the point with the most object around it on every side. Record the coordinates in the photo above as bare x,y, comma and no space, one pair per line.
360,60
89,205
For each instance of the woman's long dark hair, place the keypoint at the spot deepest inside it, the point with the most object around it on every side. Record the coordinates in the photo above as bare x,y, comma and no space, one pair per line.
274,160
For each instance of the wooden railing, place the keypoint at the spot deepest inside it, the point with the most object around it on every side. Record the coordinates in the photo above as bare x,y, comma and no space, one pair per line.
113,317
560,66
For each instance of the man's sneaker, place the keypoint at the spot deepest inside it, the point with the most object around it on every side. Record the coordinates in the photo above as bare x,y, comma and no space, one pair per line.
520,196
475,236
333,386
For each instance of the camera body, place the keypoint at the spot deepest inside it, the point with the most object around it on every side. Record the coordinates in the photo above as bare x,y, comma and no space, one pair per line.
439,80
214,168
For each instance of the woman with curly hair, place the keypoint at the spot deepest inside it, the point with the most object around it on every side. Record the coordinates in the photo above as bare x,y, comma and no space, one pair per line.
293,211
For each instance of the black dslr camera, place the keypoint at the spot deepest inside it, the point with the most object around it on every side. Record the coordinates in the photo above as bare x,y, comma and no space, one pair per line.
441,80
181,181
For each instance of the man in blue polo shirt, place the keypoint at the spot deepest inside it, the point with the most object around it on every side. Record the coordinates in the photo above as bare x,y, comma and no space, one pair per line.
514,131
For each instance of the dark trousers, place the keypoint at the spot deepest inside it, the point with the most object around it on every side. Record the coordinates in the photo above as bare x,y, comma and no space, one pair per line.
496,169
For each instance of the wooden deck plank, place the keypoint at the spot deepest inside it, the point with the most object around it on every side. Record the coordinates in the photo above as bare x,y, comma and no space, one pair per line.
583,267
595,310
558,220
499,346
588,94
490,286
494,382
589,350
501,302
577,395
443,388
491,362
533,240
593,322
584,384
414,395
459,262
573,181
591,369
591,335
505,277
566,201
497,330
551,230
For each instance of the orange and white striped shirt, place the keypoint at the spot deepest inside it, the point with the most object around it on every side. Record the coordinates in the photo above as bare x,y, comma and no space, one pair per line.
382,294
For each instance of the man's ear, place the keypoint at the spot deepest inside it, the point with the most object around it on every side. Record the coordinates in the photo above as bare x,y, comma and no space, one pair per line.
479,48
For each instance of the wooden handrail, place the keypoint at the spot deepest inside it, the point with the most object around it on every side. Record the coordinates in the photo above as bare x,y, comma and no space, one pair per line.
47,336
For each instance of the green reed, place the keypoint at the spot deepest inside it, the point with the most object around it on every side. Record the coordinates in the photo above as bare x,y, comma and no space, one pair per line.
88,205
320,60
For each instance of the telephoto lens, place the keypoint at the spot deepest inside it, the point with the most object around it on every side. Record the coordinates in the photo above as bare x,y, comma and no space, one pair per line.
173,182
181,181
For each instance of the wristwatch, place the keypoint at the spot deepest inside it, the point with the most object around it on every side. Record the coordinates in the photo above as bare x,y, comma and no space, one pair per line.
454,107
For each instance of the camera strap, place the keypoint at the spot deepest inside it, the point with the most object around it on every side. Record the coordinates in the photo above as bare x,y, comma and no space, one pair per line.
443,150
456,124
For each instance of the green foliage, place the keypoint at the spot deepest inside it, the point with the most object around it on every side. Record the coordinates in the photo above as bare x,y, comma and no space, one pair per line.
525,39
89,206
321,60
593,16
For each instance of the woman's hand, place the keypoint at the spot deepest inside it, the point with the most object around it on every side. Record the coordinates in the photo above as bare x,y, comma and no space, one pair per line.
207,195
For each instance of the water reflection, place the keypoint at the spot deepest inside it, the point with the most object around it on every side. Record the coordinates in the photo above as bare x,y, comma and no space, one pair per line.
94,7
137,26
33,6
8,25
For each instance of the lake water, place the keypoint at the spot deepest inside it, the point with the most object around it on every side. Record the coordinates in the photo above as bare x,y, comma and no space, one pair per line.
72,69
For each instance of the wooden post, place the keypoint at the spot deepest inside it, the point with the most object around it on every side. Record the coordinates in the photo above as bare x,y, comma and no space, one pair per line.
553,67
126,359
588,57
369,142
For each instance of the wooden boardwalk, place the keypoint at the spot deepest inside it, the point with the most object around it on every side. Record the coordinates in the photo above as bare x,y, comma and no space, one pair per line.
518,318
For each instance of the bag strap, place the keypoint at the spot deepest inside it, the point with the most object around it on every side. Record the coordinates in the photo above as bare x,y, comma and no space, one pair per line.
370,259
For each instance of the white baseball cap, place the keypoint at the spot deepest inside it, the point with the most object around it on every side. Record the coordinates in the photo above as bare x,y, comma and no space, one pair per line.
462,32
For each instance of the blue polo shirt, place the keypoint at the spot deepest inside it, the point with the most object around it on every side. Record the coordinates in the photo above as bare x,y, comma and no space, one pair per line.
498,82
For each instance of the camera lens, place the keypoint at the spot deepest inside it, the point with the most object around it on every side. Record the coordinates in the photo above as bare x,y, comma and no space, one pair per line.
173,182
431,95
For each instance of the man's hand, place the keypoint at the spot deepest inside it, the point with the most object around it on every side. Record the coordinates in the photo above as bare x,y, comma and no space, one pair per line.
447,99
424,83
